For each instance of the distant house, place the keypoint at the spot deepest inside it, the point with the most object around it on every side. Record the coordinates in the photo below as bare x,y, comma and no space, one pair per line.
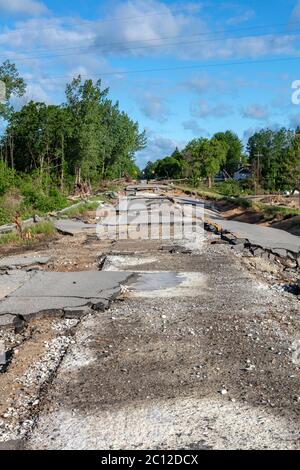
242,174
222,176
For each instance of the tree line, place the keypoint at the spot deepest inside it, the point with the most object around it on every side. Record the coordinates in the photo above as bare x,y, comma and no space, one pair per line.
272,156
86,138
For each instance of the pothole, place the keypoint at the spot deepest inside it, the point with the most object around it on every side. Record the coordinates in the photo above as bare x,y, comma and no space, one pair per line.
167,284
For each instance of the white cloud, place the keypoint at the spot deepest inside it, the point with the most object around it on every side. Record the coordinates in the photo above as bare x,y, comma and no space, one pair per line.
40,35
255,111
23,7
205,110
159,31
158,147
151,22
202,83
128,30
241,18
153,107
193,126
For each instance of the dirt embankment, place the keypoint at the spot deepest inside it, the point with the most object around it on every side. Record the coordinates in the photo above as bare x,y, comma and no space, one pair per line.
230,211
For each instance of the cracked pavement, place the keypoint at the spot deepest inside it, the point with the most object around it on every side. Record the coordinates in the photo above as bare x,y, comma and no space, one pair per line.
196,350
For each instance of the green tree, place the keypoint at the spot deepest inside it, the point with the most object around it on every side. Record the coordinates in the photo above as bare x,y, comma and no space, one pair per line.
272,158
205,157
169,167
104,139
234,152
14,86
150,170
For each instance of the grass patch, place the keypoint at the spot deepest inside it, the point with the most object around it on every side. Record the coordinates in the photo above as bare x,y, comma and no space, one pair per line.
44,228
82,209
204,193
272,212
10,238
240,202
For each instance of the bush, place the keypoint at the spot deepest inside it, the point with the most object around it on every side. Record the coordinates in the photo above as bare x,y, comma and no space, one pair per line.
5,215
38,201
58,199
233,188
229,188
7,178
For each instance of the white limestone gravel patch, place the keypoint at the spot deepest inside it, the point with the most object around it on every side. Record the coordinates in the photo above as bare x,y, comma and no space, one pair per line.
82,355
168,284
179,423
16,421
119,263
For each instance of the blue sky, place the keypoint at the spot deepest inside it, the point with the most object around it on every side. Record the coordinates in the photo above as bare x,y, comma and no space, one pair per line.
182,69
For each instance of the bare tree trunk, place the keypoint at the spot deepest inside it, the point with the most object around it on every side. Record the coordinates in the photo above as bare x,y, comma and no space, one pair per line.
62,163
41,167
11,148
78,176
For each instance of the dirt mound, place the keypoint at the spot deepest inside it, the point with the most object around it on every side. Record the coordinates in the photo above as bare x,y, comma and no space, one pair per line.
291,225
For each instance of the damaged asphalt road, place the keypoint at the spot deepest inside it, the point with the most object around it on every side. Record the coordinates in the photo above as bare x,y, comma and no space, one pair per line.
196,351
162,371
67,293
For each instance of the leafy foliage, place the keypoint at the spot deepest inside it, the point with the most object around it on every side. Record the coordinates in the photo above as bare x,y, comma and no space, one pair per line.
234,151
275,158
206,157
87,137
14,86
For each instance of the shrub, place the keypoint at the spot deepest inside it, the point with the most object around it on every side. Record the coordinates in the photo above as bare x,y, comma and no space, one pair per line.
7,178
5,215
229,188
41,202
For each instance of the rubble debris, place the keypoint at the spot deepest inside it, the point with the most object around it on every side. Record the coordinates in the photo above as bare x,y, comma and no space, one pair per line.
73,227
287,257
12,262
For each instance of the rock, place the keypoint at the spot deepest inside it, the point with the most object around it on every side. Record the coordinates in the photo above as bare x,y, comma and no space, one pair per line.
6,320
37,218
282,253
239,248
11,262
229,238
241,241
257,251
271,257
74,227
288,263
278,241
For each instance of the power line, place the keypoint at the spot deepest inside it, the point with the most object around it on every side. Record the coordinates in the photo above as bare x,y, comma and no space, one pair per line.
93,49
144,40
120,19
183,67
